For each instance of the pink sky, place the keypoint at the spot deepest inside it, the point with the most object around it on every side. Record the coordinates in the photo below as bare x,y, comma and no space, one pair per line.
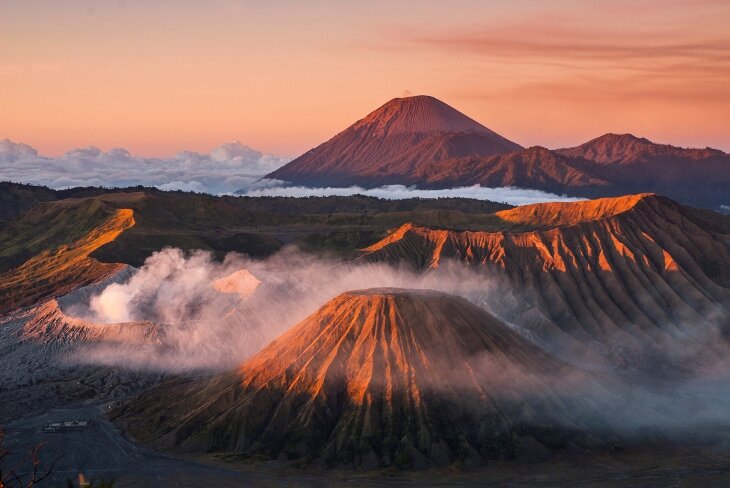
159,76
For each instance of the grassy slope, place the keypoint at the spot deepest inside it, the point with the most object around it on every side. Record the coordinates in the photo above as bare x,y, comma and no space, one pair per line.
259,227
59,245
47,254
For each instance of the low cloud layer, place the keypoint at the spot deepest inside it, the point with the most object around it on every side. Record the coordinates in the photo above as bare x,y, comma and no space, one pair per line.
513,196
226,169
229,168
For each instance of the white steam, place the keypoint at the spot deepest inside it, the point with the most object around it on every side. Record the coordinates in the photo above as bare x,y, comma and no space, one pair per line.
213,315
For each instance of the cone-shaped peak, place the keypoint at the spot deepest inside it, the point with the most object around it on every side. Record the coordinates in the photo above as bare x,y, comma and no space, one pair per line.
382,377
392,144
420,114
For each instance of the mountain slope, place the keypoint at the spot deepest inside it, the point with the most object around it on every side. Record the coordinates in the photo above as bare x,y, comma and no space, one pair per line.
375,378
394,140
48,253
640,279
535,167
16,198
43,350
627,149
82,235
422,141
630,164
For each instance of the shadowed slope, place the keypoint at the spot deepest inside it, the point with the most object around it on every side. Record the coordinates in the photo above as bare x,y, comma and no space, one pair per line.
627,149
380,377
534,167
43,349
639,278
632,164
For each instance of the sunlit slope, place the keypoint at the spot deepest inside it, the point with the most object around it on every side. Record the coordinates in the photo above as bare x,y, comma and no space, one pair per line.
47,253
376,378
247,225
638,273
43,251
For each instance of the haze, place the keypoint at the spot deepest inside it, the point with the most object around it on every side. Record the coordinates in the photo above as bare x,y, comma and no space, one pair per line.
160,76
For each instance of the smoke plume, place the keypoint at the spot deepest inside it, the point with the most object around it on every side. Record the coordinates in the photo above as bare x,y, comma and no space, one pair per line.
212,316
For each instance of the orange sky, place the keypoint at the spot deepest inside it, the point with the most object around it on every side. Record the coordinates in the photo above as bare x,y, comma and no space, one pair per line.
159,76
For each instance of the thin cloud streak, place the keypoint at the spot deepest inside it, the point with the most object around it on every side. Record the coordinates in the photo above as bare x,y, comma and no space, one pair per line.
511,195
533,42
488,45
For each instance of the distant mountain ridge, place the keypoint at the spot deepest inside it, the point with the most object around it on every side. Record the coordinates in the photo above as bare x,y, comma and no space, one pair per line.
400,136
421,141
629,149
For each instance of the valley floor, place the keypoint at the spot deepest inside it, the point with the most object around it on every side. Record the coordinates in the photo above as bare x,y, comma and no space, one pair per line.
102,451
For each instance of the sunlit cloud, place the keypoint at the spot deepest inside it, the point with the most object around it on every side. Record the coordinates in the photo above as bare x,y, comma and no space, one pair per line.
226,169
591,53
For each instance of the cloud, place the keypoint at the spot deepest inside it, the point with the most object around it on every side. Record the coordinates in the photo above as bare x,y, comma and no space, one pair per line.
226,169
11,151
206,323
576,46
565,53
511,195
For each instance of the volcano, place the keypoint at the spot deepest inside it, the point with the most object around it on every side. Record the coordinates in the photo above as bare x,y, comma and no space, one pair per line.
380,377
392,143
421,141
642,280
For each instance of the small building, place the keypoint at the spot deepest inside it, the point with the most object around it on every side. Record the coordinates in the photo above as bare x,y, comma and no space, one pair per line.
63,425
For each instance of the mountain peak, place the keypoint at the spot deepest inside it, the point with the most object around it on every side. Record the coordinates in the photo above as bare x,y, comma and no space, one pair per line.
613,138
419,114
370,369
628,149
393,143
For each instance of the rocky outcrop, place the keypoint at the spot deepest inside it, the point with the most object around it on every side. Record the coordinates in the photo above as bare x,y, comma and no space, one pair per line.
639,278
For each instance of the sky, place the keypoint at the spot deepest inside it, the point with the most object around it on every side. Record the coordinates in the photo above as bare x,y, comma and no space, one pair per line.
160,76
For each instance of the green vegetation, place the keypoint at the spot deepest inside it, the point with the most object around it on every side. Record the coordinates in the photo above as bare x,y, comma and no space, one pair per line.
48,226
